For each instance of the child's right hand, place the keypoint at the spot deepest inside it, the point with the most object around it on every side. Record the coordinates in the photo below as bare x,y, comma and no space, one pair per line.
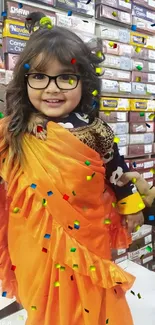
35,126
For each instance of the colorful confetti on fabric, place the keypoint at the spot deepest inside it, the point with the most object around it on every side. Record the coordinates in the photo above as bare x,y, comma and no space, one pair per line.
66,197
16,210
44,202
57,284
33,186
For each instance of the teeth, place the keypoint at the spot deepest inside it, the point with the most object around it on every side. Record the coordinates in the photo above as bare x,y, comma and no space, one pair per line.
53,101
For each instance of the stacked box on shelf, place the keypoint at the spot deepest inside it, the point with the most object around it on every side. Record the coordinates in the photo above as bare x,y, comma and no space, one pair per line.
141,249
77,6
114,111
141,137
143,18
15,35
144,167
115,10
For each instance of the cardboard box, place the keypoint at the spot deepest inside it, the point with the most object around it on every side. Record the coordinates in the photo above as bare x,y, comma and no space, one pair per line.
118,75
138,117
113,117
15,29
109,86
114,104
145,230
123,151
141,164
141,127
120,49
16,13
145,138
145,3
77,6
143,18
75,23
147,174
117,62
138,88
145,65
143,77
10,61
120,128
142,40
139,149
13,45
122,5
138,253
123,140
140,242
119,34
103,12
144,54
142,105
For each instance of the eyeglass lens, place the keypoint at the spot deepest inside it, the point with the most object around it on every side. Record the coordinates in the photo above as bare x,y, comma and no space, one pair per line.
64,81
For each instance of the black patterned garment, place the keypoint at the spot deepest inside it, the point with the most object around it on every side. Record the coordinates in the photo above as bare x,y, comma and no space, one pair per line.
99,136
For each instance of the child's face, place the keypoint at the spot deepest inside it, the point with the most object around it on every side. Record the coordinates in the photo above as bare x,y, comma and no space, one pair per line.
42,99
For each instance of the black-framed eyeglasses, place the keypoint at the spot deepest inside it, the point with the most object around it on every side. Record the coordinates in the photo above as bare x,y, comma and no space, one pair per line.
62,81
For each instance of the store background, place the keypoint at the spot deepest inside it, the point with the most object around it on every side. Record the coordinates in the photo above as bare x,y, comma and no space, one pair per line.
127,104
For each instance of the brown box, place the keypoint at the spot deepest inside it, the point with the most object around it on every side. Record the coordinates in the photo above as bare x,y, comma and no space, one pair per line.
136,117
139,149
151,265
113,117
104,12
122,5
143,77
141,164
10,61
140,243
141,127
14,12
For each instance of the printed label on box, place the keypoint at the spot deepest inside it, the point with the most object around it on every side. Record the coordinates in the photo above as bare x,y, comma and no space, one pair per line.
151,66
125,87
125,4
151,54
148,239
147,259
148,148
143,13
148,164
151,77
151,89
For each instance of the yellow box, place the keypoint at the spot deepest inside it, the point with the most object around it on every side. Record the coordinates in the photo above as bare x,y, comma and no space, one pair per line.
114,104
15,29
142,105
141,40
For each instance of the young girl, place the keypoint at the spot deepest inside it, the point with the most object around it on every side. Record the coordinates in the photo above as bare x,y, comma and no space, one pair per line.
59,220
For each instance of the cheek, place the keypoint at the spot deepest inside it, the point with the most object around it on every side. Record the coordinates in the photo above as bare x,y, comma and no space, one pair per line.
33,94
75,95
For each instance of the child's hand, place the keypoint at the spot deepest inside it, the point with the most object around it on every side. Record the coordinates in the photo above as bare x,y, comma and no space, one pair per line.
132,221
35,126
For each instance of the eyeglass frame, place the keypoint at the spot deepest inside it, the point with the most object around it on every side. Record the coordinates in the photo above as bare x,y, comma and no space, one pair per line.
53,78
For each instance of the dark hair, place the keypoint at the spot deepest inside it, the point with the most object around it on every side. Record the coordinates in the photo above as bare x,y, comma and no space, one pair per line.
64,45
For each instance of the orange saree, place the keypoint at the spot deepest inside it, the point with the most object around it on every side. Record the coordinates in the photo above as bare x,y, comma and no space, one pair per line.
60,228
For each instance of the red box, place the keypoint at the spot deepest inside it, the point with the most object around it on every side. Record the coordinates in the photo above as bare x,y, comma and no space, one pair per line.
139,149
141,127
